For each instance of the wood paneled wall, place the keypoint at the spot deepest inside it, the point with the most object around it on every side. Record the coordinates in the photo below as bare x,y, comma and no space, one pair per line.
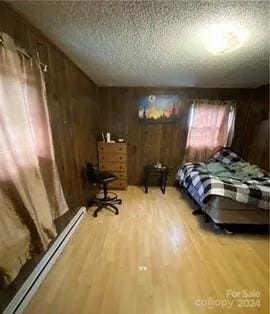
164,142
72,102
257,129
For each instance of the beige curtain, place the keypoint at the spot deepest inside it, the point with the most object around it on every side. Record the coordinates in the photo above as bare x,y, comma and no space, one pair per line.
31,196
211,126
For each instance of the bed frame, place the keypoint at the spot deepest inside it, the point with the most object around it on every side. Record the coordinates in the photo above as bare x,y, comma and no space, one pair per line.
223,210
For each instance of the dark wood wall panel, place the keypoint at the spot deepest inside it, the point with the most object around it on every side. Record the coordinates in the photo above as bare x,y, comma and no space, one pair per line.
257,128
72,102
163,142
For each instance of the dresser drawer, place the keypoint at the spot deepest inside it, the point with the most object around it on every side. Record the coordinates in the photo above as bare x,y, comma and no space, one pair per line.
112,147
120,175
113,166
112,157
120,184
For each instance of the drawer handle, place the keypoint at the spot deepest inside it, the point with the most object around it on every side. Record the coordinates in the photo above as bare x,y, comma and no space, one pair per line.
120,158
102,148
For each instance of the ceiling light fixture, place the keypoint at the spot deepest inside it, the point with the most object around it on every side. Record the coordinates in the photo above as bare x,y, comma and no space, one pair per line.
223,38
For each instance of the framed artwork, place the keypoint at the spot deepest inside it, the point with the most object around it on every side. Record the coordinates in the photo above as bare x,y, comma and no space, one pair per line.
159,108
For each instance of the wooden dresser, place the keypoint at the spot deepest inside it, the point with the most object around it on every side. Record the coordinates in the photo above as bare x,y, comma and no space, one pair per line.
112,157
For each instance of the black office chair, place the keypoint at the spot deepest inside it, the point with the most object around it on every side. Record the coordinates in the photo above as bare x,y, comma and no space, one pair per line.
102,178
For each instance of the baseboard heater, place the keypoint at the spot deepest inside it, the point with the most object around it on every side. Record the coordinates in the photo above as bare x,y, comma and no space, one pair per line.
30,286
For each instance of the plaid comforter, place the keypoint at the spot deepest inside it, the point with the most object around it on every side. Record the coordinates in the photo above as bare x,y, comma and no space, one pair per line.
202,186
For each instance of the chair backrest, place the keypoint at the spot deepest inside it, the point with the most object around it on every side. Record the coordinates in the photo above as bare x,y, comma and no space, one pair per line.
92,173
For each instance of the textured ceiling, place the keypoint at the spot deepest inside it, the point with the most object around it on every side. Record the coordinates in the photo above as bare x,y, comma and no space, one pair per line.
155,43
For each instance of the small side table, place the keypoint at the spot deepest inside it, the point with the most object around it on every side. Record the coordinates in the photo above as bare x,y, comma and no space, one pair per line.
159,172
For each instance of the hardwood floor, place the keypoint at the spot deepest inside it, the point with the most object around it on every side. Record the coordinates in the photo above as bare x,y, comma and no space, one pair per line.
154,258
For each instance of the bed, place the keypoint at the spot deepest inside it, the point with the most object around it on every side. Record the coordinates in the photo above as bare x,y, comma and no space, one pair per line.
228,189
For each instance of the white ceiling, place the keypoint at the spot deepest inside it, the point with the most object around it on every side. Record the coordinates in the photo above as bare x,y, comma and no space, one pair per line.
155,43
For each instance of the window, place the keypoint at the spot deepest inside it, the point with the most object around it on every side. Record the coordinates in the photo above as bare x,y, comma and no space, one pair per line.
211,125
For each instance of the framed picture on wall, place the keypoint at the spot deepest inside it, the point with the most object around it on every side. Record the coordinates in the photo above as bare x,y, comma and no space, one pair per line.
159,108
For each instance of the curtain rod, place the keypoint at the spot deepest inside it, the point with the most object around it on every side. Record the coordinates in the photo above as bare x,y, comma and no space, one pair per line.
20,50
23,52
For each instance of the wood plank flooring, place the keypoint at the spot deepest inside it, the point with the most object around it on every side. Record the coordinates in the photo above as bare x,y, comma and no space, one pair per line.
154,258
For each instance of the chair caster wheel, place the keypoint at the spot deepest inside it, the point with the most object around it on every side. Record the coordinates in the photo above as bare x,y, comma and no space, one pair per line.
95,215
120,202
116,213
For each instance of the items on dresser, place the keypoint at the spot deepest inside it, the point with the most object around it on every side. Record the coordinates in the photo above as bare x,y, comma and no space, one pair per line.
103,137
112,157
108,137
